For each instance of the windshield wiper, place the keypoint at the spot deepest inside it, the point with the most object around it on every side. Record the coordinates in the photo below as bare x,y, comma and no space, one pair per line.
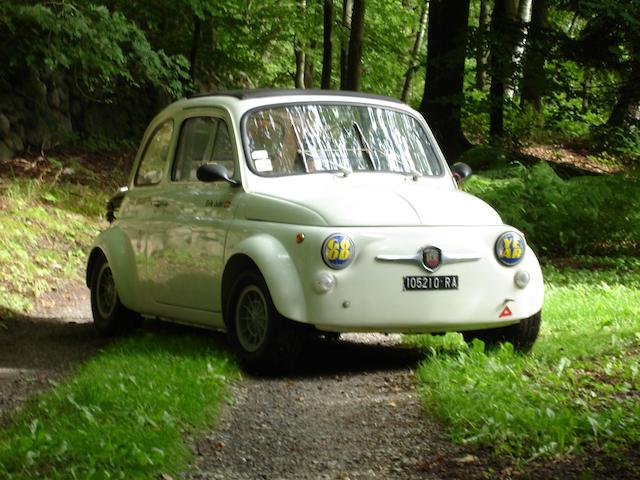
364,147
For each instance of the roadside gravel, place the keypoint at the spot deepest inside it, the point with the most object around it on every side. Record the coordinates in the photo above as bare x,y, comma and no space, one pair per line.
353,414
43,346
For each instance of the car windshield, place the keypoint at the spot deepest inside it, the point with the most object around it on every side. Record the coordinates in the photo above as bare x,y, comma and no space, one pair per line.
318,138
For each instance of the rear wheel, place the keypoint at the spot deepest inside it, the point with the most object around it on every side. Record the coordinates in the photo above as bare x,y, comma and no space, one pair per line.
110,317
521,335
264,340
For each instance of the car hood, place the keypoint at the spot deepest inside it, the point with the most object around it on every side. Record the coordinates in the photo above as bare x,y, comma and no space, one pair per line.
371,205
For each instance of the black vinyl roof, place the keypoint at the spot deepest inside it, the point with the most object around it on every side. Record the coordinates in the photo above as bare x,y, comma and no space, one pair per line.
293,92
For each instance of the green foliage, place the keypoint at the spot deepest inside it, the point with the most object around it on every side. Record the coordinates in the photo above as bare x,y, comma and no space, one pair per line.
389,37
113,49
582,215
577,390
624,141
123,415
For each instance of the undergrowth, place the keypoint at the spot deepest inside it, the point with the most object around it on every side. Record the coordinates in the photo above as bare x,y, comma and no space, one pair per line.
50,211
583,215
579,389
125,414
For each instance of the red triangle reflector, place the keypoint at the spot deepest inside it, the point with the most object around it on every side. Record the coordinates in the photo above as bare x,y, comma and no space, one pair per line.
506,312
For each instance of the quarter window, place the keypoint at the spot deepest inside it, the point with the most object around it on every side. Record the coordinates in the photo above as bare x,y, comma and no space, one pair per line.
151,169
202,140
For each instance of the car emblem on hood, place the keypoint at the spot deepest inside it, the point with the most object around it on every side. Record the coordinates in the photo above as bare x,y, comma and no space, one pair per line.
431,258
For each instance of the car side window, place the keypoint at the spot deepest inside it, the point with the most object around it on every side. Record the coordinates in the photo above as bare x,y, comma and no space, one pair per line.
202,140
151,167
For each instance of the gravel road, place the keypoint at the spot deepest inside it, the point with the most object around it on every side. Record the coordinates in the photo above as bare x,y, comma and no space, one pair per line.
45,344
353,414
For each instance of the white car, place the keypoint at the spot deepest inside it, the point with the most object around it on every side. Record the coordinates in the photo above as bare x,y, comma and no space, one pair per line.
276,214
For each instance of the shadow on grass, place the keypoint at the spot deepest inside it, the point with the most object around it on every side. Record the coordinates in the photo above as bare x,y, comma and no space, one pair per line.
320,357
46,347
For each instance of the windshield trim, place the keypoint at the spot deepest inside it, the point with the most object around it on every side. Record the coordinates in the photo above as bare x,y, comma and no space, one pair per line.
247,153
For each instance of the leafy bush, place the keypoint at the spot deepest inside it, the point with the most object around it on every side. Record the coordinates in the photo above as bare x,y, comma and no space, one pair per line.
617,140
582,215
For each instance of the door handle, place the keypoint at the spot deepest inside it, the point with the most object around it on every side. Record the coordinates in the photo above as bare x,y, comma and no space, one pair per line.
159,202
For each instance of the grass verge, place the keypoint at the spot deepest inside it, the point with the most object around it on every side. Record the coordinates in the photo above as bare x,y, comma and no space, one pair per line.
46,225
579,389
125,414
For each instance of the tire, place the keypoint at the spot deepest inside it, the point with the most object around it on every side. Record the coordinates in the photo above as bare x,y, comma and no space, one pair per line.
521,335
264,341
110,317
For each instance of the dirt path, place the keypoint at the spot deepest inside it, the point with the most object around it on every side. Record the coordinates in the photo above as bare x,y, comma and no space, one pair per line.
353,414
44,345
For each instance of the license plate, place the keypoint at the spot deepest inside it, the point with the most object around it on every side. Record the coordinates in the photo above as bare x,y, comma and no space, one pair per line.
442,282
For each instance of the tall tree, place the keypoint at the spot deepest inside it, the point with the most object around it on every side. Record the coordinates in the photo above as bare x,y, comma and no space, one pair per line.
354,62
521,19
300,54
327,45
347,9
411,71
443,90
504,37
481,42
626,110
533,84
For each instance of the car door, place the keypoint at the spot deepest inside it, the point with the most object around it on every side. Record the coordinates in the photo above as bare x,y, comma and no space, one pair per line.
138,219
196,216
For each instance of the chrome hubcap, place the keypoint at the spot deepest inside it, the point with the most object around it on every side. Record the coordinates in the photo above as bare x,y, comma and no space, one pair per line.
106,294
252,318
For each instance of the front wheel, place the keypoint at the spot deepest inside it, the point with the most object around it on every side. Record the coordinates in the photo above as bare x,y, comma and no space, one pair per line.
110,317
521,335
264,341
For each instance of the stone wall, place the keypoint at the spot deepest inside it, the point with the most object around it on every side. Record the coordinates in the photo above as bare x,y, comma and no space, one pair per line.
41,110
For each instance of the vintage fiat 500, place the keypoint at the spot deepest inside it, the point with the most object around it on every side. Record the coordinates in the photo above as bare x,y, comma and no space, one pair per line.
275,214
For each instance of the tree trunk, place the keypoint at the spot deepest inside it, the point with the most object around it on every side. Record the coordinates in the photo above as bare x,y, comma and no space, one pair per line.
521,19
354,63
586,87
504,36
533,85
300,66
327,45
443,90
344,42
309,70
195,47
414,53
301,63
626,111
481,49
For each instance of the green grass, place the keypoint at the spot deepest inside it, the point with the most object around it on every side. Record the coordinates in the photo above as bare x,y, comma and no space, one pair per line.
128,412
125,414
45,230
579,389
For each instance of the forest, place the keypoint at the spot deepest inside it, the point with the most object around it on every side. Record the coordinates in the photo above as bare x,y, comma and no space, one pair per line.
540,97
509,73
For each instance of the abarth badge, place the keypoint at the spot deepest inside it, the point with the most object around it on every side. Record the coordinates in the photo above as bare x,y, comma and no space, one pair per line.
431,258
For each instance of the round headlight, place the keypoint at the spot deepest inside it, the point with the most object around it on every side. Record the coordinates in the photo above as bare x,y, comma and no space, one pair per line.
324,282
510,248
338,251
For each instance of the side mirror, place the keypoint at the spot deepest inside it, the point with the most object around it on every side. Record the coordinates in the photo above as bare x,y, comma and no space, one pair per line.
114,203
461,171
213,172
